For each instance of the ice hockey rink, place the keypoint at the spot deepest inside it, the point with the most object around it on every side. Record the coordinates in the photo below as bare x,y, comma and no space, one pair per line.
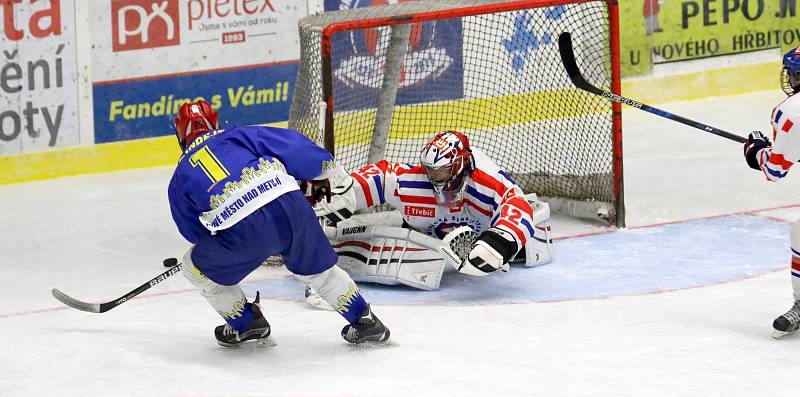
680,303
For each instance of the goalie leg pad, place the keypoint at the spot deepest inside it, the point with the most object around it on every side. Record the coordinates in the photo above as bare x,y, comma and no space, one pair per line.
227,300
538,250
391,261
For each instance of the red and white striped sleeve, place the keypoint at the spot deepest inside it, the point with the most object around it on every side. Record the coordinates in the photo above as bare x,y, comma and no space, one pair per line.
775,161
376,184
511,211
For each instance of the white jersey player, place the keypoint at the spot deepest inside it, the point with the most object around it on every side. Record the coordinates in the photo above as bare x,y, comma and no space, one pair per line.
457,194
774,160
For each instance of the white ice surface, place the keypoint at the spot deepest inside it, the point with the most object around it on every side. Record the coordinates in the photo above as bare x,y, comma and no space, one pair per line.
682,309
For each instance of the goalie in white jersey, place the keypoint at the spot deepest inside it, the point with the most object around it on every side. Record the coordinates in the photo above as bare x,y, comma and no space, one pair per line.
774,160
457,194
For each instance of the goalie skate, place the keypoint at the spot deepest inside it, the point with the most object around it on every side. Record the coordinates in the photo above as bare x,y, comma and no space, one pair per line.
788,323
259,329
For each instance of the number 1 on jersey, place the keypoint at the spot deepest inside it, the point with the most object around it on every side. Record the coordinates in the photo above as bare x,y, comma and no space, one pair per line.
210,164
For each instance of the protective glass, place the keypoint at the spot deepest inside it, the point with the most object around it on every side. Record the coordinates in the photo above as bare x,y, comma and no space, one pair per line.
794,78
439,175
446,188
790,81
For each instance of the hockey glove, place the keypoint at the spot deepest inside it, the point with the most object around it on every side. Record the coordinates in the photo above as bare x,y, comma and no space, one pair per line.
341,202
754,143
456,246
317,190
492,250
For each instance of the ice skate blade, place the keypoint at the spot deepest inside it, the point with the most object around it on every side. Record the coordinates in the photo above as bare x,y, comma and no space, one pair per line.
389,343
250,344
383,340
264,343
781,334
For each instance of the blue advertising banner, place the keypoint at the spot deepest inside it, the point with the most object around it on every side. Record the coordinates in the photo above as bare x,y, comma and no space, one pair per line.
331,5
433,68
143,108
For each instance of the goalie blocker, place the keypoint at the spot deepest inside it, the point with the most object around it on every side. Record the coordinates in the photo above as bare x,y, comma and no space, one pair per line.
394,255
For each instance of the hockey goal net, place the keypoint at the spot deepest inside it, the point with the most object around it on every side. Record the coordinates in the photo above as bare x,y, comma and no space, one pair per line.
377,82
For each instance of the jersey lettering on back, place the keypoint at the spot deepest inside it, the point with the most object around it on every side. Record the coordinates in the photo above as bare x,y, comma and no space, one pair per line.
225,175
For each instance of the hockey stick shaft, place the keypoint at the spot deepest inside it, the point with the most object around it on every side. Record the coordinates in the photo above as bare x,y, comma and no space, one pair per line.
104,307
568,59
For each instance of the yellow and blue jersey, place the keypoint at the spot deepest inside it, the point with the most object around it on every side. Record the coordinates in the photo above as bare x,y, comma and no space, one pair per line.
225,175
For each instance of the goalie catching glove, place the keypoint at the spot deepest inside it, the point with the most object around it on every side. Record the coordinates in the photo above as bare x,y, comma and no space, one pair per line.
490,251
340,201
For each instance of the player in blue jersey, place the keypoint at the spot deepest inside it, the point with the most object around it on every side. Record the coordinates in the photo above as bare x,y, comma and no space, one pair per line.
234,195
773,159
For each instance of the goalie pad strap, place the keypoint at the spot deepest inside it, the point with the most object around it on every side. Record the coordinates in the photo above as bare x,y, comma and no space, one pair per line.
340,203
338,216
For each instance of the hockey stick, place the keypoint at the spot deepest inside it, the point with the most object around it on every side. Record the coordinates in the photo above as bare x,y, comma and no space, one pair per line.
104,307
568,59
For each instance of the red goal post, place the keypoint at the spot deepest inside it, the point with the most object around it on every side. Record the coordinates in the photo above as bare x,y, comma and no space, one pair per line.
376,82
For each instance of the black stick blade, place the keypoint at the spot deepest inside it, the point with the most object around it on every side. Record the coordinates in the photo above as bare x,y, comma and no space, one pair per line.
571,66
567,53
76,304
104,307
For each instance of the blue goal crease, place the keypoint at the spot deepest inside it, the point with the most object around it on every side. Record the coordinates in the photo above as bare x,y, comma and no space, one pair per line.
627,262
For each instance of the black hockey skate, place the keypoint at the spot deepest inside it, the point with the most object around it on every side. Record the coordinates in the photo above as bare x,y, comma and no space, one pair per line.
258,331
788,323
368,329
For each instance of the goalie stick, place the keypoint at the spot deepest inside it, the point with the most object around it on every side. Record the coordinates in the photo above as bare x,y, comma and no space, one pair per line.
104,307
568,59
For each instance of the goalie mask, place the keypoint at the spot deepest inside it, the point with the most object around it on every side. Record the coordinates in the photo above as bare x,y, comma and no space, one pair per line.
193,119
447,160
790,74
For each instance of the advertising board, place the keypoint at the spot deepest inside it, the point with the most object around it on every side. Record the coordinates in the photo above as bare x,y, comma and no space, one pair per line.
663,31
38,76
149,56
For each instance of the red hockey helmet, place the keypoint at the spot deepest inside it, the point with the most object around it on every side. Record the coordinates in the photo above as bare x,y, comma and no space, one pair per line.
447,159
193,119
